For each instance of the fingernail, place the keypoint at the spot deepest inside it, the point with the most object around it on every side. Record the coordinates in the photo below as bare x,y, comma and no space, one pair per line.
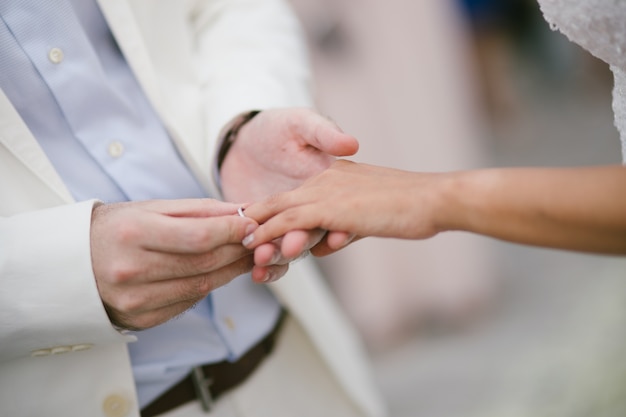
269,277
275,258
272,276
349,239
248,239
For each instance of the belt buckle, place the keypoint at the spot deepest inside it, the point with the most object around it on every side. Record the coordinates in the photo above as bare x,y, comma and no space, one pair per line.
202,386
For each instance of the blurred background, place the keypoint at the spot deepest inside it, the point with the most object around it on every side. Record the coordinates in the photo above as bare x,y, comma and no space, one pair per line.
461,325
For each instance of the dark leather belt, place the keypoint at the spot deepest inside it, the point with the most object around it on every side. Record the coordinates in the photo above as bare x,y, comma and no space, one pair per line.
206,383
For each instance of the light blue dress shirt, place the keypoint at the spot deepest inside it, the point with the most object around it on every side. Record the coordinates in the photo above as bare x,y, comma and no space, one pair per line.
63,71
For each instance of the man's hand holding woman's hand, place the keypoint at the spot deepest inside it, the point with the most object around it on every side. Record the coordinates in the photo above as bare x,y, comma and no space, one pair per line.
349,201
153,260
277,151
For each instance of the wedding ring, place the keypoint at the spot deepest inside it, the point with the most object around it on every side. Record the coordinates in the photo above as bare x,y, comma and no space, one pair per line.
240,212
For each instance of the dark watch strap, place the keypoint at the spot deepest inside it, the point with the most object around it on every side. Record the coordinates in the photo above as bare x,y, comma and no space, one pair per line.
231,135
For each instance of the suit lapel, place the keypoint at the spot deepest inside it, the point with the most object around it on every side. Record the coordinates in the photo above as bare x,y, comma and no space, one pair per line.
123,25
17,138
306,297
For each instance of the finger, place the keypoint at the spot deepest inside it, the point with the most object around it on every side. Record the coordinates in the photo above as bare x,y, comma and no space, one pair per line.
324,249
151,304
272,205
280,224
325,135
295,242
339,240
267,254
191,235
151,266
289,248
268,274
332,141
273,253
196,207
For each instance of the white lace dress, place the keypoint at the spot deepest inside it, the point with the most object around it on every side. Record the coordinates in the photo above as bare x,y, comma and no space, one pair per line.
599,26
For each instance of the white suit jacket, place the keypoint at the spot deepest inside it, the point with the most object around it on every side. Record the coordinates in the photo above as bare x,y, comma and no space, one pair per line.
200,62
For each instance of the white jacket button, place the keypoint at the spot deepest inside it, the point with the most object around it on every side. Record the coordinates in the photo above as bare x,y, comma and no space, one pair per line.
84,346
40,352
116,405
60,349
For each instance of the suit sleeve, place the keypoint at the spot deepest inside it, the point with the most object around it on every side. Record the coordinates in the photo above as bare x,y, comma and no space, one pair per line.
49,301
250,55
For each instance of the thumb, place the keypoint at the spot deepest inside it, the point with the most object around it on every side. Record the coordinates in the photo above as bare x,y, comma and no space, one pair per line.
325,135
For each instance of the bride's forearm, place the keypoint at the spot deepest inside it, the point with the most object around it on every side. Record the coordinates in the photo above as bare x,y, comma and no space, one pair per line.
580,209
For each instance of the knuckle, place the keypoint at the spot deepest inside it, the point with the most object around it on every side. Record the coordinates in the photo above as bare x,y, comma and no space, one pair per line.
207,262
276,203
244,265
228,230
199,238
127,232
233,231
291,217
122,272
205,285
211,281
129,303
274,199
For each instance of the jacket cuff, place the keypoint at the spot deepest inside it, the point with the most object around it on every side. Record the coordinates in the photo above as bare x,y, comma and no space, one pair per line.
49,298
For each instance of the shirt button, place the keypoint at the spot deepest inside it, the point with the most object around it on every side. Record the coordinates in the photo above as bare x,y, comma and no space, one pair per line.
116,149
115,406
230,323
55,55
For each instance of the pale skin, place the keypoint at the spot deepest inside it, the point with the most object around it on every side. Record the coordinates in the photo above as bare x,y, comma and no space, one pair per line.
153,260
264,161
580,209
